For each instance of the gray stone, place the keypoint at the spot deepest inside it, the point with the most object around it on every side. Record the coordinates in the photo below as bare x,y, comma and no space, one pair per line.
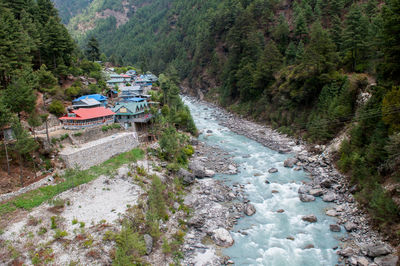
289,162
389,260
347,252
222,237
249,209
352,261
273,170
304,189
332,213
149,243
209,173
350,226
197,169
326,183
309,246
306,197
186,176
362,261
378,250
335,227
329,197
316,192
310,218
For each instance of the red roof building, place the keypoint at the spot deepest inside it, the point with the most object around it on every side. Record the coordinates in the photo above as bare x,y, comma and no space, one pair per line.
87,117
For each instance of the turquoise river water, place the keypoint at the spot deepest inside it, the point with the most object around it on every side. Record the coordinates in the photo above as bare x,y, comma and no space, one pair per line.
266,242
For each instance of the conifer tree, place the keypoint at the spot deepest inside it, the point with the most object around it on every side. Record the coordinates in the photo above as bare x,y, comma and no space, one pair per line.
290,54
391,34
5,119
14,48
355,35
301,26
268,64
92,49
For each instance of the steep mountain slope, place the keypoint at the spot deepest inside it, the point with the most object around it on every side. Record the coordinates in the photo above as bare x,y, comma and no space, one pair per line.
303,67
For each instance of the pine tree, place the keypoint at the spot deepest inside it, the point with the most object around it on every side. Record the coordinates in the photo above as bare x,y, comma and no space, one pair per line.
92,49
320,56
281,33
5,119
300,52
19,95
391,34
14,48
301,26
355,35
268,64
290,54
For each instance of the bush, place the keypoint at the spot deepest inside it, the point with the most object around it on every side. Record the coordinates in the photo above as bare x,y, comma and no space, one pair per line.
57,108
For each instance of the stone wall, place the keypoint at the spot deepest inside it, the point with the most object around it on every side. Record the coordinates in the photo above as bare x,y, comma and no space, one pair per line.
95,152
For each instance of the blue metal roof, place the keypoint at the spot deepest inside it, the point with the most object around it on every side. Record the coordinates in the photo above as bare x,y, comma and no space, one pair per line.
97,97
136,99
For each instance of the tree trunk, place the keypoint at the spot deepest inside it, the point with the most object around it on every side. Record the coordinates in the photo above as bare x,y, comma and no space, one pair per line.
34,167
21,178
5,147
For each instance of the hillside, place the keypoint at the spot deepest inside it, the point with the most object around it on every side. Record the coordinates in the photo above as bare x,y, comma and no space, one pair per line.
309,68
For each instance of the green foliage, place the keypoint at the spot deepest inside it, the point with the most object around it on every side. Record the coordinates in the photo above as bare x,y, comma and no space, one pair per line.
110,127
57,108
130,247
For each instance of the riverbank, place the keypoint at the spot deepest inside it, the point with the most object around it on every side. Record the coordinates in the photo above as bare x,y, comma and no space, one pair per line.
362,244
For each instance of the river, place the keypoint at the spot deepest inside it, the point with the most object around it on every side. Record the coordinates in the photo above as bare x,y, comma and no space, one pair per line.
269,237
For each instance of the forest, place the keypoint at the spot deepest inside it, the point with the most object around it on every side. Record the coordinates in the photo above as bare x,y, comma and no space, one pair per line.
312,69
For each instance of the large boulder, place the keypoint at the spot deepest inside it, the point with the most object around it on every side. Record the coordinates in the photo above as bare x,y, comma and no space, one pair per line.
389,260
304,189
249,209
335,227
347,252
329,197
186,176
222,237
350,226
376,250
198,169
306,197
149,243
316,192
289,162
309,218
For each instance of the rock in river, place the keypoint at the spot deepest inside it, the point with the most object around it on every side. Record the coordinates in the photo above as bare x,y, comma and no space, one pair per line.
273,170
306,197
249,210
335,227
309,218
350,226
389,260
222,237
289,162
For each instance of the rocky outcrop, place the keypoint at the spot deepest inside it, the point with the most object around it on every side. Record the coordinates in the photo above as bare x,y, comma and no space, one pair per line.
290,162
186,177
149,243
306,197
222,237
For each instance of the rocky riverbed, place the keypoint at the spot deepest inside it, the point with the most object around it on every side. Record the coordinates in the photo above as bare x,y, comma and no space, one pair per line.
361,245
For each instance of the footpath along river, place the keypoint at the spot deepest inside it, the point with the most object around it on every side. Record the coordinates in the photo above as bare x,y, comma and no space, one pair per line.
276,234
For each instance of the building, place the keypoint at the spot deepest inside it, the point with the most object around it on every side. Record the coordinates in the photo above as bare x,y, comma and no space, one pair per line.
116,82
86,103
131,73
111,94
87,117
128,113
131,92
98,97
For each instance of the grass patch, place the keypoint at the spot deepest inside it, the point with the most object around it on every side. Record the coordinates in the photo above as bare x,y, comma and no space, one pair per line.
72,178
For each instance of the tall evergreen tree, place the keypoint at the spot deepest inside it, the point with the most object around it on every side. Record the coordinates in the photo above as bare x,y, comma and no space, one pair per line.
391,34
355,35
14,47
92,49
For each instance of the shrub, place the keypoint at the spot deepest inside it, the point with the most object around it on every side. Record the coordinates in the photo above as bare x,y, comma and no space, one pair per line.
53,220
57,108
60,234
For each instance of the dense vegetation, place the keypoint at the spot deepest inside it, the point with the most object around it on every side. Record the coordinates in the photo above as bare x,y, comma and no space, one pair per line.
299,66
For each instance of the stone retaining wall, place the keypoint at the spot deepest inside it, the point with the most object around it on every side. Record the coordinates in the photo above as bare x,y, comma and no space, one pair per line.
92,153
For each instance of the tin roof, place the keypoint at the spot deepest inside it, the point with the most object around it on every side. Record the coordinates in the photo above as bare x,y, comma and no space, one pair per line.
88,113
